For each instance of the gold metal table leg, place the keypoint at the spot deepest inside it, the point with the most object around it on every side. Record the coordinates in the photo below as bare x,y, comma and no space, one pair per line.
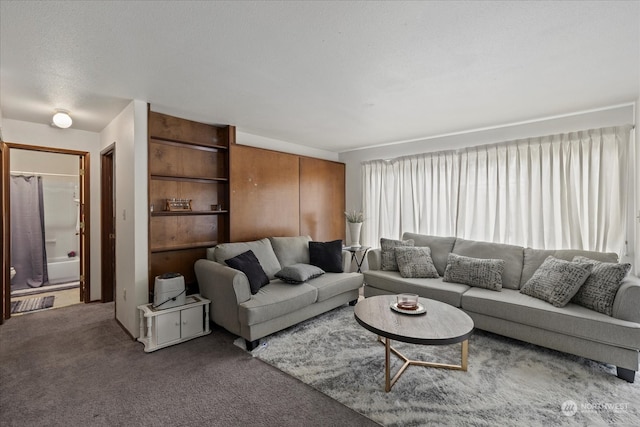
387,365
389,382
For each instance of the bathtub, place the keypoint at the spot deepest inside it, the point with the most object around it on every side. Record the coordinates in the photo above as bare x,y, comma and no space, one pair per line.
63,270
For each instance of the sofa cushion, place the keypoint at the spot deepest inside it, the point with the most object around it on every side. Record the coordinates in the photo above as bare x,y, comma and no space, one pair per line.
483,273
326,255
572,319
391,282
291,250
415,262
388,252
600,288
533,258
332,284
557,281
440,247
299,273
261,248
275,300
512,255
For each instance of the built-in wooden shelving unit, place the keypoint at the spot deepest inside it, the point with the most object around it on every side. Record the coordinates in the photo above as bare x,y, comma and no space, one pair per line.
187,160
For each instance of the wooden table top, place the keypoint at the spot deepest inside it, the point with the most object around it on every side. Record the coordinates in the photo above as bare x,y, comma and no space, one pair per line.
442,324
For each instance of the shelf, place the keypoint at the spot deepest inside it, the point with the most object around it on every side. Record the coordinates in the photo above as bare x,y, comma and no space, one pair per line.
195,245
195,144
189,179
179,213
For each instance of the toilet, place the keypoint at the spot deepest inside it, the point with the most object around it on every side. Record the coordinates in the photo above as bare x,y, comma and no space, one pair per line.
13,272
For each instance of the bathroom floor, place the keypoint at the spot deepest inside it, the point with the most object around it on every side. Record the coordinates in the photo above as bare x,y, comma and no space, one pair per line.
63,298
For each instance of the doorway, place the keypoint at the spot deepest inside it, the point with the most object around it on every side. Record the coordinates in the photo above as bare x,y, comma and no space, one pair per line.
56,263
108,223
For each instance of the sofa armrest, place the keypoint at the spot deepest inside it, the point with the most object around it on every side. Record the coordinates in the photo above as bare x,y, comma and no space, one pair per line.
626,306
226,288
374,259
346,261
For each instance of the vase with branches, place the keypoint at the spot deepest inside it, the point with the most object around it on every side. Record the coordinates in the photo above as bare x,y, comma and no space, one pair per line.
354,216
354,220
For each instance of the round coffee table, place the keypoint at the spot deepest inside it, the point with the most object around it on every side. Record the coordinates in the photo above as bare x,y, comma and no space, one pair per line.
442,324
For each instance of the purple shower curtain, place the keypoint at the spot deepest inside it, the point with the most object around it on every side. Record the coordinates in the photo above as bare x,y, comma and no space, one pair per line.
28,252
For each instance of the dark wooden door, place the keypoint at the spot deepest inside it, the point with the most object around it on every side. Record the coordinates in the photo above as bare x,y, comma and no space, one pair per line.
107,228
5,291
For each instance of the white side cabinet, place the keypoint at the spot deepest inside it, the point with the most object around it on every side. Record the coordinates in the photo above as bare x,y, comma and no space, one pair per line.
162,328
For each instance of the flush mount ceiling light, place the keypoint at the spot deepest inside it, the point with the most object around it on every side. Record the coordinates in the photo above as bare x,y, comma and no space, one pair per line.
62,119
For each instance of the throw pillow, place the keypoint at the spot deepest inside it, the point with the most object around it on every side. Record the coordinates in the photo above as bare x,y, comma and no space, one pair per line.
415,262
478,272
556,281
326,255
387,253
250,266
299,273
600,289
291,250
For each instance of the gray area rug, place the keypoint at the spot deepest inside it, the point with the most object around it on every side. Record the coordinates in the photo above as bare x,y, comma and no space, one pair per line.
508,382
32,304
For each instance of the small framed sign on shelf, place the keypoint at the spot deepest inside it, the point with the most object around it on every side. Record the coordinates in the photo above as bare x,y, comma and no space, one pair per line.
176,205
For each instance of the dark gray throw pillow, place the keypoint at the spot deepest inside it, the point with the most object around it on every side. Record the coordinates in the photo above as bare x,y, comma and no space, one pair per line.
299,273
600,289
415,262
478,272
326,255
388,254
556,281
250,266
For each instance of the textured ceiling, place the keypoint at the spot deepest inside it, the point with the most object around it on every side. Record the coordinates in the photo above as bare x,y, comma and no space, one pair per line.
329,75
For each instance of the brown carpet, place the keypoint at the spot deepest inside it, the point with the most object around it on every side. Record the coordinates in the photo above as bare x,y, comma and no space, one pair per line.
76,367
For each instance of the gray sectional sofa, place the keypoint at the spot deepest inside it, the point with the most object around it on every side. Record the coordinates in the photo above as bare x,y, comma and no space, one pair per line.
572,329
278,304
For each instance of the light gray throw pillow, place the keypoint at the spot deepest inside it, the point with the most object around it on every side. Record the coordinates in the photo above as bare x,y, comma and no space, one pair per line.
600,289
299,273
291,250
477,272
415,262
556,281
388,254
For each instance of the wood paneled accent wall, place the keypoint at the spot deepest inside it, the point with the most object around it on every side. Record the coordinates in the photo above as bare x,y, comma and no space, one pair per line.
281,194
264,193
322,199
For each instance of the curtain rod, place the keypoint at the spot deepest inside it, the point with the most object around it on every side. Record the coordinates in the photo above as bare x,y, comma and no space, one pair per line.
42,173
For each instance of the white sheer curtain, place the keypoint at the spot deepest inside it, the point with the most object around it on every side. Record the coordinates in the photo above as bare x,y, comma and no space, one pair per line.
555,192
429,193
381,204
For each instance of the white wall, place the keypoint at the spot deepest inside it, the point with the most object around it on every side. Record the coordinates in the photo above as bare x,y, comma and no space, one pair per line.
129,133
20,132
244,138
636,217
610,116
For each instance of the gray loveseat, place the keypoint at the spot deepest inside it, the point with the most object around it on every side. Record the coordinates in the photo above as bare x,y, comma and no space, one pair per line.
572,329
277,305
